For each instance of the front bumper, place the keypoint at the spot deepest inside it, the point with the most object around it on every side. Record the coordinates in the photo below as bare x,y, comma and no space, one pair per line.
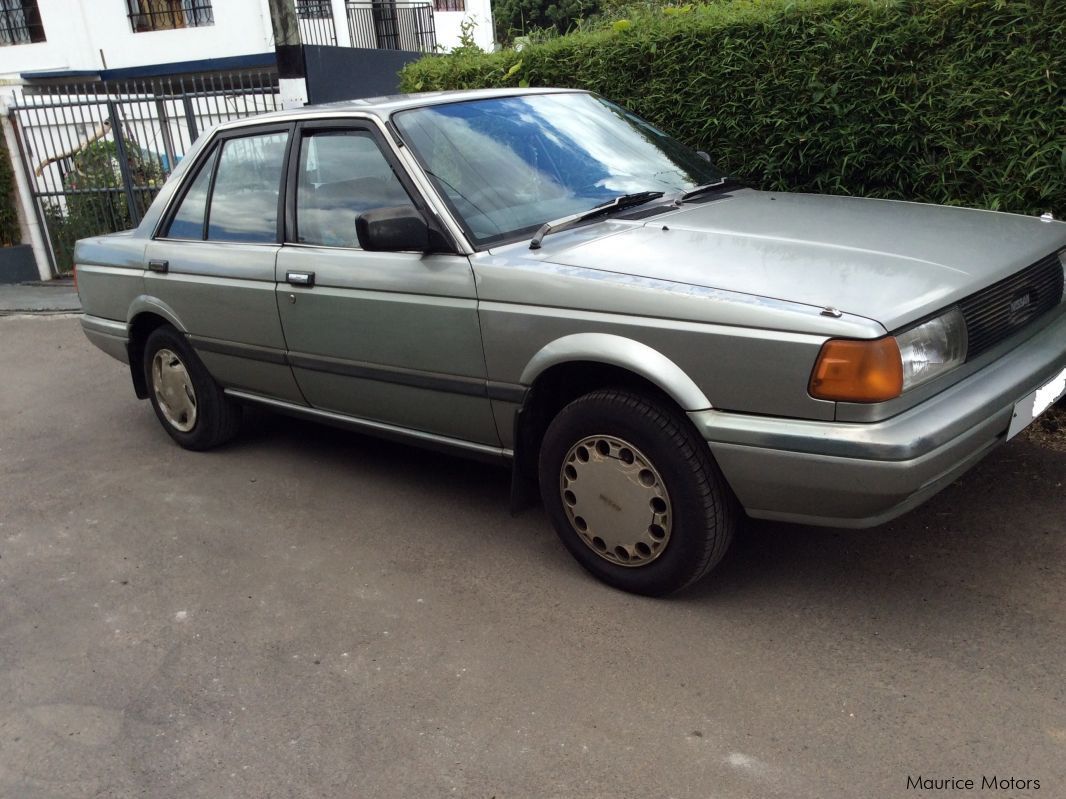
845,474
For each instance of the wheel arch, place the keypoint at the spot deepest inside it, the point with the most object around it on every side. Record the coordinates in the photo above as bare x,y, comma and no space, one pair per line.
146,314
622,353
577,364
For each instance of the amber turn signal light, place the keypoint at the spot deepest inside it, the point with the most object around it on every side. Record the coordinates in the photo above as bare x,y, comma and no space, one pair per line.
858,371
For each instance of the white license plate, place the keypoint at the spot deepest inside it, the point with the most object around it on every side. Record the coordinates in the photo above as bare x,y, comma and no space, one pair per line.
1027,409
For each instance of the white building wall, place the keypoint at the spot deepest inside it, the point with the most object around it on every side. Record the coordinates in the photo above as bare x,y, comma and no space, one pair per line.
92,35
96,34
242,27
449,24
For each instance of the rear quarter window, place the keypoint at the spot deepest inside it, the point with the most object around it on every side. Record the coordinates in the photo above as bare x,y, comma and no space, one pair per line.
247,185
188,221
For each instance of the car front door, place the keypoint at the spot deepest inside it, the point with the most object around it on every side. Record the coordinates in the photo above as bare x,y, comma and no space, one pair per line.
213,263
391,337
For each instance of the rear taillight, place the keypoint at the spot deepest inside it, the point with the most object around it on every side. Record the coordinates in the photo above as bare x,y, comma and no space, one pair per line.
76,279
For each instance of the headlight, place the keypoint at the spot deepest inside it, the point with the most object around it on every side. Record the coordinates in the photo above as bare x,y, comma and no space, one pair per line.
932,348
876,370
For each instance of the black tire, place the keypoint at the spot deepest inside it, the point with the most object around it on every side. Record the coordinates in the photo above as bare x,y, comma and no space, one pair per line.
217,417
702,507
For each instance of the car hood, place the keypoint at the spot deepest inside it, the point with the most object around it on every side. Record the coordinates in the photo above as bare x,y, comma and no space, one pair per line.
892,262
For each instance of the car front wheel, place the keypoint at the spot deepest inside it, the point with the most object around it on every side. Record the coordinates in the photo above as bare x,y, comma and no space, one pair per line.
187,401
634,493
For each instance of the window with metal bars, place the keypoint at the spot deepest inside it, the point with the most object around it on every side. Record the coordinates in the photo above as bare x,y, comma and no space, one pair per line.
314,9
449,5
20,22
161,15
316,22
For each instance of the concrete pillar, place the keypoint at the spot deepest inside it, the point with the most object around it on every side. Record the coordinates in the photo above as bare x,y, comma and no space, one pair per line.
288,47
340,19
31,228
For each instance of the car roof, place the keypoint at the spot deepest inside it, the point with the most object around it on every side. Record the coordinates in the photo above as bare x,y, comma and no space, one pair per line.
386,106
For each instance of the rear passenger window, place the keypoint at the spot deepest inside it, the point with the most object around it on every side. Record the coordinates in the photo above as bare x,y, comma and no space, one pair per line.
188,222
342,174
244,200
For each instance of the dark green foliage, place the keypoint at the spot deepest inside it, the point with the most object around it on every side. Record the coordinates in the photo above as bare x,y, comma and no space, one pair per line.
945,101
96,167
518,17
9,219
95,201
63,232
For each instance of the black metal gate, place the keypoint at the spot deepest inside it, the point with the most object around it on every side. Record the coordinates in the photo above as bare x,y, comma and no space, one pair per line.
392,25
96,154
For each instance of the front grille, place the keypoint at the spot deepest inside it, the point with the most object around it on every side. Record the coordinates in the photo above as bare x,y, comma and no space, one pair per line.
1004,308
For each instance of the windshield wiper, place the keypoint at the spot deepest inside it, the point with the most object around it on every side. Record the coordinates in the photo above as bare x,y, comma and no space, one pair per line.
617,204
725,183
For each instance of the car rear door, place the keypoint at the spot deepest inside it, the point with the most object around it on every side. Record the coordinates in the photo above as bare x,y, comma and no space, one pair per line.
391,337
212,265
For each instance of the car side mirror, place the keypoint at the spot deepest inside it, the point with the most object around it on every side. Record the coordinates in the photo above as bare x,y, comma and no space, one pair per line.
704,155
399,229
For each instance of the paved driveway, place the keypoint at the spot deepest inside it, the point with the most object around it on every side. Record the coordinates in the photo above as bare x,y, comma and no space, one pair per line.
311,613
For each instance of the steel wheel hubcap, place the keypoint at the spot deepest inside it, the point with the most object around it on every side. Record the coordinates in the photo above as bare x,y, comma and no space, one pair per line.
173,390
616,500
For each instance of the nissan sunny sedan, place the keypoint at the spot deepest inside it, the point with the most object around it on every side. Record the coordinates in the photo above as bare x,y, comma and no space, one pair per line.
542,278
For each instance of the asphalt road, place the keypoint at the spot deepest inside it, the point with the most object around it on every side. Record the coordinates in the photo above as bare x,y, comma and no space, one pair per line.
311,613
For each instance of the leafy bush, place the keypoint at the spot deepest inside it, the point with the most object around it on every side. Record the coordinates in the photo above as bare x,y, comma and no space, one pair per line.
96,168
945,101
96,202
518,17
10,233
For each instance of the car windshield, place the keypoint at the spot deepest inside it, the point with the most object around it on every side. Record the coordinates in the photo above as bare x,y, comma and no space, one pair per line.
508,165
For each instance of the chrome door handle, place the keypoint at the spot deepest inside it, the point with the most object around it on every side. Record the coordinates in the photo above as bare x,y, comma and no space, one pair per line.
300,278
162,267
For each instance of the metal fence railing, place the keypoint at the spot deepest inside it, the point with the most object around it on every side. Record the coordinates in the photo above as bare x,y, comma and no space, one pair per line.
316,22
392,25
96,154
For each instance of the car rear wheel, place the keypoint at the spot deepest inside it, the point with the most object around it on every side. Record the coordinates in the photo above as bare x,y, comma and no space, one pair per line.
634,493
187,401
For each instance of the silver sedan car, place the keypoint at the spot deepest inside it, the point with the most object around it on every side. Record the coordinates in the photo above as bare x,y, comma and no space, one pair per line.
542,278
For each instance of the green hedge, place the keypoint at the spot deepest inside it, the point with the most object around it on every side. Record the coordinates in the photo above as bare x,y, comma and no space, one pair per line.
946,101
519,17
96,167
9,220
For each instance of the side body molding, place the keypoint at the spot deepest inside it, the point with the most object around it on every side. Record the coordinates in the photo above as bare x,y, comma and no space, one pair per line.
624,353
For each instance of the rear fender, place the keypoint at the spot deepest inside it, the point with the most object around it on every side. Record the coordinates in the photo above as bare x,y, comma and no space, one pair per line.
141,307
